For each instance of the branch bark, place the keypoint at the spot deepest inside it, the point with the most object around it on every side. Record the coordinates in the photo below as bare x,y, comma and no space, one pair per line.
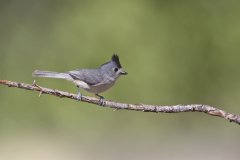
213,111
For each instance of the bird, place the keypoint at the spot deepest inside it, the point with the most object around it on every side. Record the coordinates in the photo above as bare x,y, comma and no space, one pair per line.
95,80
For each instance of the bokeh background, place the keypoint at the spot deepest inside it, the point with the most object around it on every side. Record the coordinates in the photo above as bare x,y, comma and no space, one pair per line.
176,52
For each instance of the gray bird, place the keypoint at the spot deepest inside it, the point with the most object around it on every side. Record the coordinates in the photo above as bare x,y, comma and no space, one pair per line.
95,80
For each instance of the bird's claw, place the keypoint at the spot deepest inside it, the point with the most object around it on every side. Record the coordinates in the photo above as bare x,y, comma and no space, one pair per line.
102,102
79,97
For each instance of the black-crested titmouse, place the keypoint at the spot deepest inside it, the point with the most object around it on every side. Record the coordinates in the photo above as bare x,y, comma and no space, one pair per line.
95,80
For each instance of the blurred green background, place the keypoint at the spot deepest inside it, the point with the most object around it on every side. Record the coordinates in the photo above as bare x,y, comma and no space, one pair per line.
176,52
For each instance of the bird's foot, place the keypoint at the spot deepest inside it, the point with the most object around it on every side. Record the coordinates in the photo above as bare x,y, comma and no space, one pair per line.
102,101
79,97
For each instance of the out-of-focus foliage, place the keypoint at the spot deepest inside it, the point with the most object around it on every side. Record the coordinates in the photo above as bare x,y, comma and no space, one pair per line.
176,52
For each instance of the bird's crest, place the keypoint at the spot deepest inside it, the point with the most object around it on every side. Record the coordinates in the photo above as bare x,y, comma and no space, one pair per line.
115,59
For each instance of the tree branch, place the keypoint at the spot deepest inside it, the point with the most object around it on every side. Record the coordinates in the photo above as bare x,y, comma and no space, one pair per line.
136,107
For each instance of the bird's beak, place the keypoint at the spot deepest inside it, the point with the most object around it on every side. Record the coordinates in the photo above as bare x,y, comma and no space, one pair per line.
123,72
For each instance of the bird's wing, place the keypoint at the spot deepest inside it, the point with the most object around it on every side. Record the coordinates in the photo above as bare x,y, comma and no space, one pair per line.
89,76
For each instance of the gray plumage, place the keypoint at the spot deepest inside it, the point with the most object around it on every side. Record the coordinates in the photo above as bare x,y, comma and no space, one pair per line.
92,80
90,76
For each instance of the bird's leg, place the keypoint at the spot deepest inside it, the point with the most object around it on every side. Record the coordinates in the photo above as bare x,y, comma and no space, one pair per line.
79,95
101,100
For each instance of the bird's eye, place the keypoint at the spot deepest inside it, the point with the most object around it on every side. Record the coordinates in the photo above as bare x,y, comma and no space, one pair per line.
115,69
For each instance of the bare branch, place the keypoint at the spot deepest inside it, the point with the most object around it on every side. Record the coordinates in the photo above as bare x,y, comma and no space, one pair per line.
136,107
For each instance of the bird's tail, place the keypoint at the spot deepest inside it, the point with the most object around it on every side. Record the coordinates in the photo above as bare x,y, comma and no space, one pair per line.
50,74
